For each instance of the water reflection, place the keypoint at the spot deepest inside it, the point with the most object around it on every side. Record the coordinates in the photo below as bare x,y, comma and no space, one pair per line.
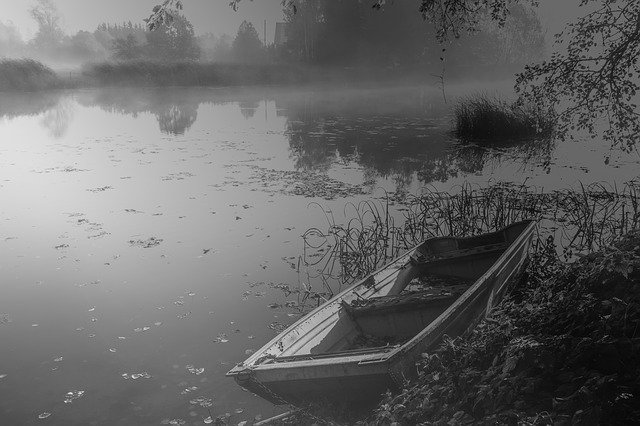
390,133
175,110
248,108
56,119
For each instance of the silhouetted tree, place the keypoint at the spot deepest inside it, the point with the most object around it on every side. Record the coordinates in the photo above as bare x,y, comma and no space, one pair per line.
46,15
174,41
594,75
126,49
247,46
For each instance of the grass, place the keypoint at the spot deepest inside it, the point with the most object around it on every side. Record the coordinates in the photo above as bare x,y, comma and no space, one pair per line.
26,75
483,117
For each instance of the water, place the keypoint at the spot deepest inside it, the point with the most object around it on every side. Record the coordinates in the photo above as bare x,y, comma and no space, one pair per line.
145,235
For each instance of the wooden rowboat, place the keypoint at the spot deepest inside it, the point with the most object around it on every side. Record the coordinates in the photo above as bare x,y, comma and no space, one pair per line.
367,338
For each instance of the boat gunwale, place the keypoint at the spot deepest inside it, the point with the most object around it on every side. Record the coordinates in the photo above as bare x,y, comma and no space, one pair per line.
385,356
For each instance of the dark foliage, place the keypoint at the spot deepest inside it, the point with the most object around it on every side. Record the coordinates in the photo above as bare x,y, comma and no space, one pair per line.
151,73
482,117
564,349
26,75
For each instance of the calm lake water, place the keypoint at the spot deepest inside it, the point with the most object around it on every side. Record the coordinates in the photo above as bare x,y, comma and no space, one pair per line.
146,235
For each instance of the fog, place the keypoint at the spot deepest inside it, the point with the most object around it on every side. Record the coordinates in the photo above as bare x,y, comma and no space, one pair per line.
392,42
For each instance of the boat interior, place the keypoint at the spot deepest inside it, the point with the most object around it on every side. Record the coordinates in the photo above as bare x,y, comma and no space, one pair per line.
387,310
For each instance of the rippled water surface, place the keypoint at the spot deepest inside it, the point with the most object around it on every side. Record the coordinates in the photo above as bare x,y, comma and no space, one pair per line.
146,235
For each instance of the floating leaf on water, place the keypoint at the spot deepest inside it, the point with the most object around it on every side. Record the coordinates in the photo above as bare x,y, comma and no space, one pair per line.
44,415
72,396
222,338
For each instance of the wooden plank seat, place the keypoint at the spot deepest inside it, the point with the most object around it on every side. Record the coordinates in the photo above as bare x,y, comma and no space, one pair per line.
402,315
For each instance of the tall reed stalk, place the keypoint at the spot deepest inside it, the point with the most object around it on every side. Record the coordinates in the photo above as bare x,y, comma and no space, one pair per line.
580,221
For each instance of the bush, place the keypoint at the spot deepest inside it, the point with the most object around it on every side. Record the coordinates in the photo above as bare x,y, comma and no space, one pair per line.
150,73
563,349
482,117
26,75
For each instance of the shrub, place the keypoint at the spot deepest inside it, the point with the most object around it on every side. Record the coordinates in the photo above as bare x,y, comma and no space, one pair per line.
150,73
26,75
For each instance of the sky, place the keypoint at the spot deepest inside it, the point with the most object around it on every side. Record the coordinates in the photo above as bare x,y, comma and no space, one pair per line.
206,15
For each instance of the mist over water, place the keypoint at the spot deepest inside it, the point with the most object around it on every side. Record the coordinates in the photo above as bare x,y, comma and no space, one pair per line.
146,235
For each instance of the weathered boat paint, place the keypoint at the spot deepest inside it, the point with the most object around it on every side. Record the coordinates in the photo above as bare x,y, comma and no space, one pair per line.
305,362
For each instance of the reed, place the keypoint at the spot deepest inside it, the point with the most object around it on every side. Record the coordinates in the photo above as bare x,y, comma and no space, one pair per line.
579,221
483,117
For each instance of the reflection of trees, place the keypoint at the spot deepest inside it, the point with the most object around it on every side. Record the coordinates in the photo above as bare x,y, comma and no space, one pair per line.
175,120
57,119
57,109
248,108
19,104
402,136
176,110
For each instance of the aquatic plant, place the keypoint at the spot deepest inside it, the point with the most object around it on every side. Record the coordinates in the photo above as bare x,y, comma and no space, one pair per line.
579,221
26,75
480,116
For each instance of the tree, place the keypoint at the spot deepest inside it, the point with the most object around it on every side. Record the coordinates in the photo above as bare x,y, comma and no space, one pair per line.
126,49
173,41
247,46
49,34
594,75
10,41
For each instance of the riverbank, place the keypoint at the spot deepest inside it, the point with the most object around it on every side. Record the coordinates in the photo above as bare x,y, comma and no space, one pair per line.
25,75
563,348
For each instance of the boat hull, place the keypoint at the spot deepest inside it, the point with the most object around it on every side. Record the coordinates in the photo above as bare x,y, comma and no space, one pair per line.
364,376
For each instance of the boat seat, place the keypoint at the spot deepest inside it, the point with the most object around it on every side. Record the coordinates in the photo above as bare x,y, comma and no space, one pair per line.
352,352
419,257
401,316
401,302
